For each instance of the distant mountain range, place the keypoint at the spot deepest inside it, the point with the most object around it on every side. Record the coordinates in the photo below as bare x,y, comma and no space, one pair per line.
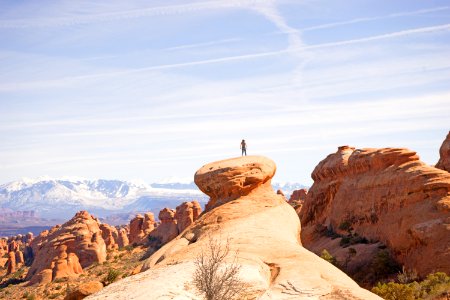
61,198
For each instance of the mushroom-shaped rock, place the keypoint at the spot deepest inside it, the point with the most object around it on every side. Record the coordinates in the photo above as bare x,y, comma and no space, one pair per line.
230,179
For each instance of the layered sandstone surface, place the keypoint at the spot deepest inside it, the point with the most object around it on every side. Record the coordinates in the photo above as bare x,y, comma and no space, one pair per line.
260,226
385,195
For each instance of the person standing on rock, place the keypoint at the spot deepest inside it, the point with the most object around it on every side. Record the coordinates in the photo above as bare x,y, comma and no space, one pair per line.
244,148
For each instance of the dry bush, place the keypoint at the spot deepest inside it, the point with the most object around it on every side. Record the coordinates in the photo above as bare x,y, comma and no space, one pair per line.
216,279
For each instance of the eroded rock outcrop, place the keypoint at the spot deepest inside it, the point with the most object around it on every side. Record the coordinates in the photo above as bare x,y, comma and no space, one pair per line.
298,195
186,213
122,240
167,230
110,236
262,229
385,195
65,250
444,153
140,227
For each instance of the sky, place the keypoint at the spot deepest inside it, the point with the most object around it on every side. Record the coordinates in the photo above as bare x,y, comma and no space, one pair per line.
153,90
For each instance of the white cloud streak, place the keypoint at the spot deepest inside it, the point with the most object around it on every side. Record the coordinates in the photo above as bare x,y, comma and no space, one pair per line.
128,14
368,19
68,81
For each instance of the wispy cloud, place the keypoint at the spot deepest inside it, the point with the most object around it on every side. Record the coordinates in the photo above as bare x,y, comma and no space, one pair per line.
402,33
205,44
66,81
127,14
368,19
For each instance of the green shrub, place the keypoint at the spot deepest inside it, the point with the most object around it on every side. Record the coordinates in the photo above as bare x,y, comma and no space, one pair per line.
383,264
31,297
434,286
328,257
395,291
345,226
112,276
406,276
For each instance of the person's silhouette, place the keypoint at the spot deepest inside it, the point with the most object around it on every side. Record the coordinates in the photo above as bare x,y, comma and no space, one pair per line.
244,148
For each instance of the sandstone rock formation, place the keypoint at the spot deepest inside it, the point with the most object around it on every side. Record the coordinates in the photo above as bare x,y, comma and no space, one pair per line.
227,181
140,227
122,239
385,195
65,250
110,236
186,213
444,152
298,195
16,250
168,229
11,263
260,225
297,199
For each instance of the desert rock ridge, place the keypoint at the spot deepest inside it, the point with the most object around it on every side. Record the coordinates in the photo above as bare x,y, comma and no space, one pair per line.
260,225
386,195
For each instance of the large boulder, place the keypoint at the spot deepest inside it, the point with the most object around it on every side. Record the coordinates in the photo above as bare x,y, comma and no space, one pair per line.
444,152
386,195
66,249
263,233
225,180
83,290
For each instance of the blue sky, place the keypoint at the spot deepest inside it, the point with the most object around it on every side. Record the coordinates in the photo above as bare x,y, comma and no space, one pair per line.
156,89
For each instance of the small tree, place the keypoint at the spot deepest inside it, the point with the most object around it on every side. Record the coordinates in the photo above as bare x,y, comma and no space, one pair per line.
213,277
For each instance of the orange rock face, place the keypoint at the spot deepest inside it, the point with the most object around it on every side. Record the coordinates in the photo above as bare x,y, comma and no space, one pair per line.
122,240
140,227
167,230
110,236
11,263
444,151
65,250
385,195
225,180
298,195
186,214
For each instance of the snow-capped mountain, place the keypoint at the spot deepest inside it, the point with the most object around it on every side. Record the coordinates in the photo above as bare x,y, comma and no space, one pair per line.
61,198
